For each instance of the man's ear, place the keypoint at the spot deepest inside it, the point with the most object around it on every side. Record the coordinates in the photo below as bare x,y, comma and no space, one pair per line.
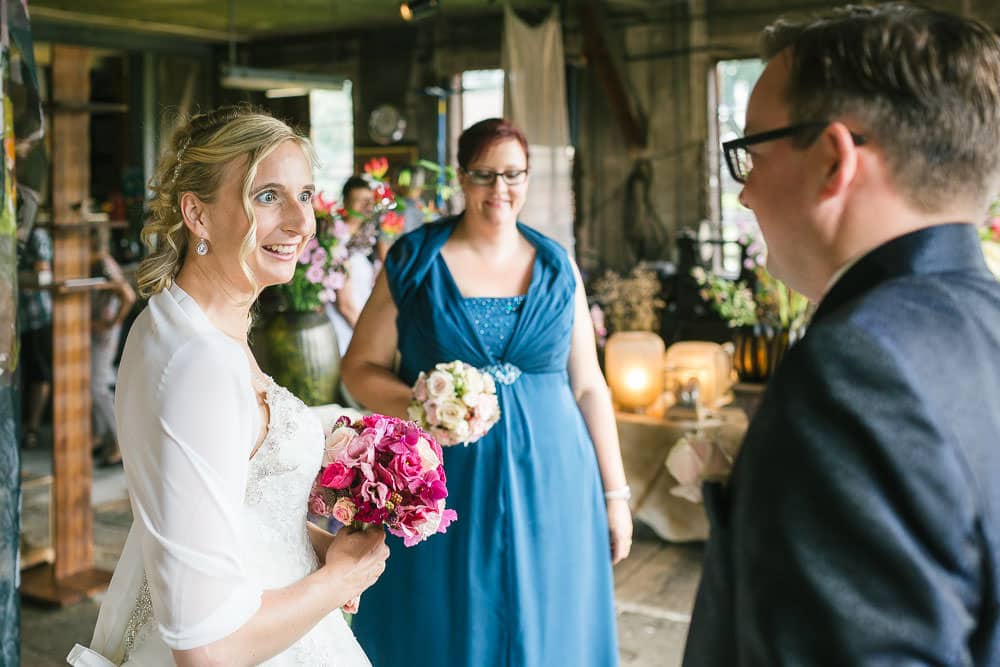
194,214
840,154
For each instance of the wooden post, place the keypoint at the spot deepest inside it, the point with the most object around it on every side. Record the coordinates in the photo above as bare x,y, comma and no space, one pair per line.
72,575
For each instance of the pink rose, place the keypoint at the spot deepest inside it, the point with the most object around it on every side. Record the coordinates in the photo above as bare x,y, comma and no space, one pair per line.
407,467
344,510
337,476
336,443
317,506
488,409
420,388
361,449
431,408
440,385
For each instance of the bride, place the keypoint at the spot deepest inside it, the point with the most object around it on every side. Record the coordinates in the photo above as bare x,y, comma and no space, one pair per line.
220,566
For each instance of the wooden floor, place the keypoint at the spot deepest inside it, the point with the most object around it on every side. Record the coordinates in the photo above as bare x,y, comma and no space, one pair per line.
654,587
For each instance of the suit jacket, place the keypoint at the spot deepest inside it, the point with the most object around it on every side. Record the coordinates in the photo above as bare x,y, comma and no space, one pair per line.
861,524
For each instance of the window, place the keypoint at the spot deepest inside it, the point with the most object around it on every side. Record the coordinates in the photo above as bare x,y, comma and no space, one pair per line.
331,119
734,79
482,95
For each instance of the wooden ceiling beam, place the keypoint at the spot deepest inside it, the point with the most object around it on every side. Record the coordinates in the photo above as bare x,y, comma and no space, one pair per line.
596,47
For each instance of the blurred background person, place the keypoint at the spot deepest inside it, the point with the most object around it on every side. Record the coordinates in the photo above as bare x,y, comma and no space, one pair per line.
34,313
110,307
358,201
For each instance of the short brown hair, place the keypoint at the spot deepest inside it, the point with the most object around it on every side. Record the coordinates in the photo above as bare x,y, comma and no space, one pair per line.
480,136
924,84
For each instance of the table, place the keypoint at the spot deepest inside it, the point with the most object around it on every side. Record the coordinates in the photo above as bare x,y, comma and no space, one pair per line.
645,443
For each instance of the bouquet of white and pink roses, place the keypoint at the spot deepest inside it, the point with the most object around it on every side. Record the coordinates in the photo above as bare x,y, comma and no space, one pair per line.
455,402
383,471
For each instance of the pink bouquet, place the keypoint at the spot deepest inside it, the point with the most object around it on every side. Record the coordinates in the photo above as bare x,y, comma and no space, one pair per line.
455,403
383,471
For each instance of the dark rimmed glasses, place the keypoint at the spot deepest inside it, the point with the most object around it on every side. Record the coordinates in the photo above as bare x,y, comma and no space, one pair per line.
740,162
488,177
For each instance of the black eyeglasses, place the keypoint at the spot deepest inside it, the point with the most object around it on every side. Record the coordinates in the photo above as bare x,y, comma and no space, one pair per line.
740,162
487,177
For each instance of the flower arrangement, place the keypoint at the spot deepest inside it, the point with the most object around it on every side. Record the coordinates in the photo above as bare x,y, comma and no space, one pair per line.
768,302
383,471
632,303
320,271
455,402
385,211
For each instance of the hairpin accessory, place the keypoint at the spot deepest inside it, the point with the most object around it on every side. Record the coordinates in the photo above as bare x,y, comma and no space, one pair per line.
180,154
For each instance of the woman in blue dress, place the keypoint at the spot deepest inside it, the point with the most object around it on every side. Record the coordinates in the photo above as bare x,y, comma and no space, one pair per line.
523,578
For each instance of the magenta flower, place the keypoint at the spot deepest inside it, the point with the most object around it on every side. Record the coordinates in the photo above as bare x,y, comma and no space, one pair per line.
337,476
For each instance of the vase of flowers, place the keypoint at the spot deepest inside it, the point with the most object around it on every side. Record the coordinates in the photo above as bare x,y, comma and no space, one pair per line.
766,317
295,342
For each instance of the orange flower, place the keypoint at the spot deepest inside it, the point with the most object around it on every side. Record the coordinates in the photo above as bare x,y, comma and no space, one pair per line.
377,167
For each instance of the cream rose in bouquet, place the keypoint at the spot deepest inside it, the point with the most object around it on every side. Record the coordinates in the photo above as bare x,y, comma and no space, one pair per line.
455,403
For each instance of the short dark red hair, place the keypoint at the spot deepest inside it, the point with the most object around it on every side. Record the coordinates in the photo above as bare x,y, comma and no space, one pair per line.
477,138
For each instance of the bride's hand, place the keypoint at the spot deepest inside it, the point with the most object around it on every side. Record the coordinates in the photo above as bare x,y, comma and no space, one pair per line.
620,529
351,606
355,559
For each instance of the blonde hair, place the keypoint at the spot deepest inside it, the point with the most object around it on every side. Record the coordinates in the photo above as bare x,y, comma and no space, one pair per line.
194,161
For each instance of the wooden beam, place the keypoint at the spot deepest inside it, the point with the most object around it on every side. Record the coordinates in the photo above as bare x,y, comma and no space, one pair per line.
72,574
598,52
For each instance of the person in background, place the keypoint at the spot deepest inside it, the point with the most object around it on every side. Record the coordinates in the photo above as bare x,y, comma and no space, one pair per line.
860,523
110,307
34,316
524,576
358,200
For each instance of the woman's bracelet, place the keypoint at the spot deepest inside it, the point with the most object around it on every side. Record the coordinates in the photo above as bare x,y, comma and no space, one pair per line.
624,493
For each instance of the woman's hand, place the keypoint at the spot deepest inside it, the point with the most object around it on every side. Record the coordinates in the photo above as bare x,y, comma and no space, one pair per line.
351,606
620,529
354,560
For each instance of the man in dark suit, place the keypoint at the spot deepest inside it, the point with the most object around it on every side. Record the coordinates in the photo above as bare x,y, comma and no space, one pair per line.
861,522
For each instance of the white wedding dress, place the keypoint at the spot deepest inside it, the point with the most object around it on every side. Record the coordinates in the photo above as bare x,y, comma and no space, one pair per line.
212,527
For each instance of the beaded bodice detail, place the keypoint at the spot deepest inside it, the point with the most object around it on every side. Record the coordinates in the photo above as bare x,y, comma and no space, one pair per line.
494,319
275,539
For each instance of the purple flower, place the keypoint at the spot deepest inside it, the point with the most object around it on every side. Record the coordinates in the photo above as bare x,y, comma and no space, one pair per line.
334,280
340,254
314,274
341,231
319,256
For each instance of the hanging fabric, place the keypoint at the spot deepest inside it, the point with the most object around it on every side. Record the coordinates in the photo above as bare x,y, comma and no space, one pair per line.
535,101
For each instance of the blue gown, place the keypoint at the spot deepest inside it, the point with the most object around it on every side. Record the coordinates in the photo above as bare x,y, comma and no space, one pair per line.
523,577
